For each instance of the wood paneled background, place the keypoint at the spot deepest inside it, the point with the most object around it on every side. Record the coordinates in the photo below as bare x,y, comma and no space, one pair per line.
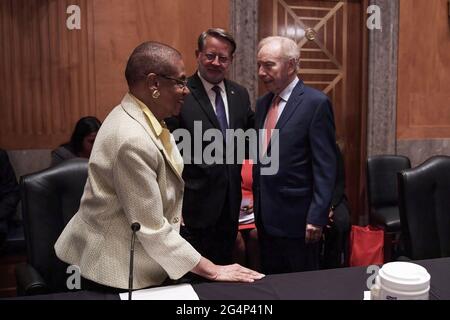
51,76
423,110
335,63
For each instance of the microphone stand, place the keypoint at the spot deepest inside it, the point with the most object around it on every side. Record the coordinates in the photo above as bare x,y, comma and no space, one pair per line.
134,227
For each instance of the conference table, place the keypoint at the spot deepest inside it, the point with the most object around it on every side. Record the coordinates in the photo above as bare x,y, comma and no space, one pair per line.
332,284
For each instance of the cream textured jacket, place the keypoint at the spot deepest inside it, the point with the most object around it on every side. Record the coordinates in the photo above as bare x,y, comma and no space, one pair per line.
130,179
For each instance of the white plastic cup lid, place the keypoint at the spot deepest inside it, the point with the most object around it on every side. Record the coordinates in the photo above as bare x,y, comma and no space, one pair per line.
404,276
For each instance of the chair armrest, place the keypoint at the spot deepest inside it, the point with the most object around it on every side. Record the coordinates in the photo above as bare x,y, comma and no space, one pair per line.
29,281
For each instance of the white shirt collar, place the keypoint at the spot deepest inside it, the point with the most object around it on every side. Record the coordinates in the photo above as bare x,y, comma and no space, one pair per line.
208,85
286,93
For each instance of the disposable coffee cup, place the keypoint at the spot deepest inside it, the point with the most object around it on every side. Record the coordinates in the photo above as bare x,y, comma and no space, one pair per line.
401,281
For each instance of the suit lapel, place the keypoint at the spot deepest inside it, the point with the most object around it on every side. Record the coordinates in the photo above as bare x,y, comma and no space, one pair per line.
198,91
294,101
133,110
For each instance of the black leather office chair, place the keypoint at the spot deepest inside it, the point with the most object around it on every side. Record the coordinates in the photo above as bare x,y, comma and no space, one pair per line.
49,200
383,195
424,194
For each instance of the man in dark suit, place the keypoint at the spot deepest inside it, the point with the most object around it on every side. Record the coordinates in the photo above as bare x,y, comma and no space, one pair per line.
292,205
212,194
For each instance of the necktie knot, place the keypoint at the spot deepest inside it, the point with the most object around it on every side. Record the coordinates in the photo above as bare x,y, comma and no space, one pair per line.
276,102
216,89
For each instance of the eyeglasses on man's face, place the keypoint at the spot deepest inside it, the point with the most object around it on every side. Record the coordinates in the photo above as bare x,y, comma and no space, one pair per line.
180,83
212,57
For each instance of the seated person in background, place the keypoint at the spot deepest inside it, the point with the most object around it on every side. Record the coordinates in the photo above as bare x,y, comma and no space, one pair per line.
336,233
9,194
246,249
81,142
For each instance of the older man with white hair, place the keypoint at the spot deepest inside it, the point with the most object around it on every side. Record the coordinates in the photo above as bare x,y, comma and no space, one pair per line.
292,205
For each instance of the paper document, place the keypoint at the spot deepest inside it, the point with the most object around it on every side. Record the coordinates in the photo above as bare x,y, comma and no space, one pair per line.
176,292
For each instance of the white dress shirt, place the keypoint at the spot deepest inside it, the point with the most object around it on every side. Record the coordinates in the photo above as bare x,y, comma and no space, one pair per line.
284,95
212,95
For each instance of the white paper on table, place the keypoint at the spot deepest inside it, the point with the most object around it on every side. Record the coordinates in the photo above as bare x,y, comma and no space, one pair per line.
175,292
367,295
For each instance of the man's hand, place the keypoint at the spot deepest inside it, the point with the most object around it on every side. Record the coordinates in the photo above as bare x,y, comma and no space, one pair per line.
330,218
313,233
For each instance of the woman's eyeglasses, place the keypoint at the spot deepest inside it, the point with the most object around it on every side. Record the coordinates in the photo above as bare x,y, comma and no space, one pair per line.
180,83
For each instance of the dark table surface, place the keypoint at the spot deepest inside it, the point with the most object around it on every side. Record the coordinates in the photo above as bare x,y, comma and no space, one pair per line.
333,284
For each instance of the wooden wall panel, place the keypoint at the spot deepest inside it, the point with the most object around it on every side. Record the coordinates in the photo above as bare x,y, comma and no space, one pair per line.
51,76
423,110
45,73
221,13
175,22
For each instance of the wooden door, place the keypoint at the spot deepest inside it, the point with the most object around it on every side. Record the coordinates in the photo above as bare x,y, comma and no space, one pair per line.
332,36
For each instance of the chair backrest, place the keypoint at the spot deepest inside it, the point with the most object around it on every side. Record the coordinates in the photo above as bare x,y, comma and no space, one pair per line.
49,200
382,179
424,195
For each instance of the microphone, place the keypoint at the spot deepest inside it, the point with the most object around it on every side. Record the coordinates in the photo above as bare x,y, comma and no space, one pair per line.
135,226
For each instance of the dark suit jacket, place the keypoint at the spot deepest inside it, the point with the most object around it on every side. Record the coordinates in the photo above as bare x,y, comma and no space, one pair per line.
301,191
207,185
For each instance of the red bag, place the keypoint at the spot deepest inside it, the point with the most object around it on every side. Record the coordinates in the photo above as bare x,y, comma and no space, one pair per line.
366,246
